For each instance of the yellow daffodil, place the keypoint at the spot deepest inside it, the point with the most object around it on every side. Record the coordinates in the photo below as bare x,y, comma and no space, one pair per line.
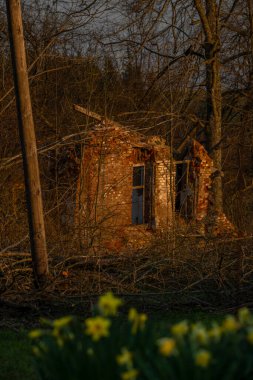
200,334
90,351
35,334
60,342
132,314
61,337
62,322
58,325
97,327
250,336
230,324
42,347
167,346
203,358
36,351
215,332
244,315
138,320
142,320
56,333
125,358
180,329
129,375
108,304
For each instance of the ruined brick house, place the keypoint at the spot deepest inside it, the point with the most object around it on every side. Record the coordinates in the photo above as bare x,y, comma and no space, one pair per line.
130,186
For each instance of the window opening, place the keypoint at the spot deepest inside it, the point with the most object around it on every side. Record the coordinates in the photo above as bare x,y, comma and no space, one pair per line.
184,190
142,194
138,195
148,194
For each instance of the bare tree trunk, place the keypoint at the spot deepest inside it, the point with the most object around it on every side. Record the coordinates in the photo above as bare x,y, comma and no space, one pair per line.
28,143
210,23
250,15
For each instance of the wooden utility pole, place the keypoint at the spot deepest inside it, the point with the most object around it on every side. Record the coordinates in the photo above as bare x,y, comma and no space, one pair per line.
28,143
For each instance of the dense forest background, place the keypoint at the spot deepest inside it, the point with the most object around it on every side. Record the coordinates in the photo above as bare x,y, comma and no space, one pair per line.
169,67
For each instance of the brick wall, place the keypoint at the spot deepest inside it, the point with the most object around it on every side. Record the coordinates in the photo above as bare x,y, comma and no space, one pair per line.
104,196
202,164
212,224
105,186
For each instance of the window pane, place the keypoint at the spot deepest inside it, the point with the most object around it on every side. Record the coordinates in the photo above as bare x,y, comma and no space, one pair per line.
138,176
148,193
137,206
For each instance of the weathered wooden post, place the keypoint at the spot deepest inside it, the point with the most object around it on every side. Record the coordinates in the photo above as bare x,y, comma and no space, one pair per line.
28,143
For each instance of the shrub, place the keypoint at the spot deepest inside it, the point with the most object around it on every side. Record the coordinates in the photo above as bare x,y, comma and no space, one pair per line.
105,347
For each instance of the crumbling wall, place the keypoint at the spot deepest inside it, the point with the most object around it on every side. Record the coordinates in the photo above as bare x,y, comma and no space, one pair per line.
202,166
164,188
212,224
104,196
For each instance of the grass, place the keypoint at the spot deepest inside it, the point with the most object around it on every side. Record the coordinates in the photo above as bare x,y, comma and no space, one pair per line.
16,362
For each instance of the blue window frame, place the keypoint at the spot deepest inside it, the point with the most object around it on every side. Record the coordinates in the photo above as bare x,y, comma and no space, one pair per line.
138,195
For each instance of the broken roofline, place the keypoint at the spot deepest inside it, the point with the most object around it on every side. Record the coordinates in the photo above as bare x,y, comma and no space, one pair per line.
178,152
141,141
190,151
146,142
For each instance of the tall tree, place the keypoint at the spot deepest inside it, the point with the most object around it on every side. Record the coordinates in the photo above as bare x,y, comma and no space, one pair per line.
208,11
